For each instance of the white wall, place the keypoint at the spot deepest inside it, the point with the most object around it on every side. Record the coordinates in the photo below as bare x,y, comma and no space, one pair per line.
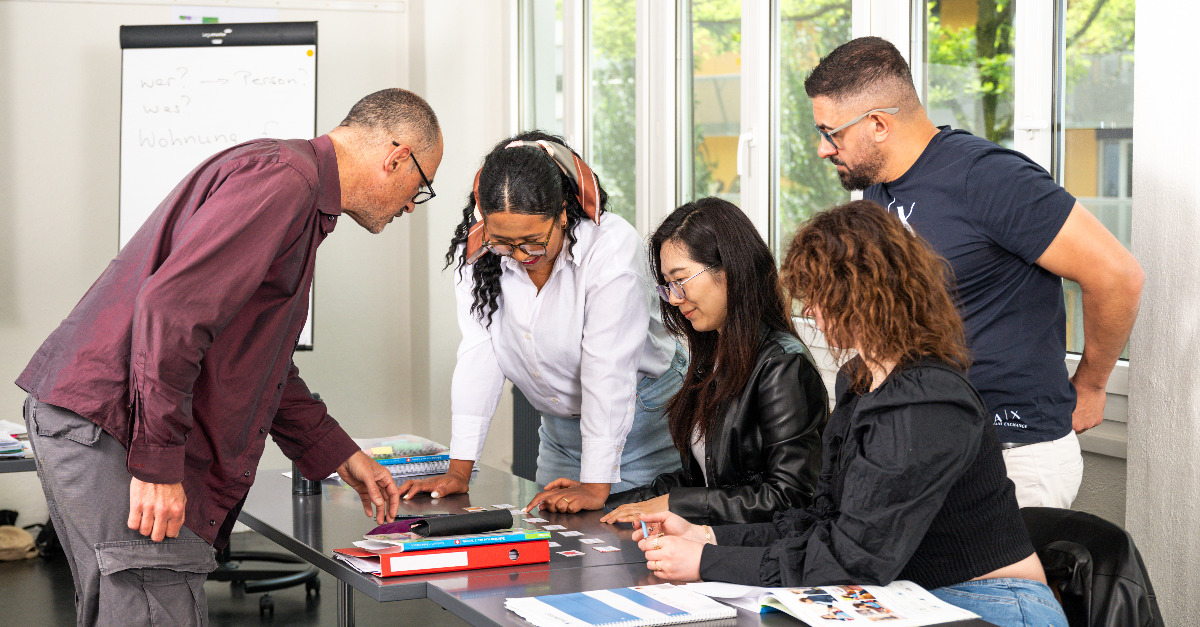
462,66
60,79
1163,502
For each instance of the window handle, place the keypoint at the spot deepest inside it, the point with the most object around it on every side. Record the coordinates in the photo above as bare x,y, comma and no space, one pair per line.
745,140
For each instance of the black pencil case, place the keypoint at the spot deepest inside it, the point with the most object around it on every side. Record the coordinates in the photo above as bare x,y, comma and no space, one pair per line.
458,524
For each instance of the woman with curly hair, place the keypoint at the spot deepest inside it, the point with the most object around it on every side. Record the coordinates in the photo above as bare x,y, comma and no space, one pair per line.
554,295
913,484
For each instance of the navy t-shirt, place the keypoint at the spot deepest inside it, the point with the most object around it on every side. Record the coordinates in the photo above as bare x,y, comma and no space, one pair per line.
991,212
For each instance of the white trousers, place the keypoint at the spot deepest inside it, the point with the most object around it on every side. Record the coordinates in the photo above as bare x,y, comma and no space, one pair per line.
1046,474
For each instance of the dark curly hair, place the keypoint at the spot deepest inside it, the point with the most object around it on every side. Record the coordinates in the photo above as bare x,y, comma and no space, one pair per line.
523,180
879,287
714,232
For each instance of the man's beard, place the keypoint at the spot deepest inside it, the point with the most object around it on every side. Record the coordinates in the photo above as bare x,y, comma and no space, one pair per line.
864,174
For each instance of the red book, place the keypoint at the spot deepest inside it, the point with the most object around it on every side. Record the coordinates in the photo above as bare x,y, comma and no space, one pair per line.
445,560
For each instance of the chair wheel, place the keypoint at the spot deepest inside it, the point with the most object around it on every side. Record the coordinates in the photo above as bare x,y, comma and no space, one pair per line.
266,606
313,587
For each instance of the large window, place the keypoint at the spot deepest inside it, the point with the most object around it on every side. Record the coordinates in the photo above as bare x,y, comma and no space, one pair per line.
611,142
1094,134
969,66
715,123
802,182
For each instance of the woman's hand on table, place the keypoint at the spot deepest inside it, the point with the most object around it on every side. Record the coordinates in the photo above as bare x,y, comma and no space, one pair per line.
632,512
567,496
668,524
456,480
672,558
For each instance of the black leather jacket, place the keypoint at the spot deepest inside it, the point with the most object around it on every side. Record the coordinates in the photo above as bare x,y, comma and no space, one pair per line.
765,454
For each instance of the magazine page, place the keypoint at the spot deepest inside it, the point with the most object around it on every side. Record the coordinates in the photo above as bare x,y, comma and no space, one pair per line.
899,604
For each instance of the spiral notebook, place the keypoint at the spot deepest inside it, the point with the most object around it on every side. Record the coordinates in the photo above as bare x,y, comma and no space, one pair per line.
638,606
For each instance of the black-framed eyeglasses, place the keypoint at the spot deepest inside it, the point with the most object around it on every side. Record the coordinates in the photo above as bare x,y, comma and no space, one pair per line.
675,288
532,249
422,195
828,135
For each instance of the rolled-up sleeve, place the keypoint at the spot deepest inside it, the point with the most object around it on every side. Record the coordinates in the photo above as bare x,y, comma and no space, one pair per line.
218,262
478,381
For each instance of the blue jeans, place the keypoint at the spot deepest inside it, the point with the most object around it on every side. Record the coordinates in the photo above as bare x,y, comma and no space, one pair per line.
648,450
1007,602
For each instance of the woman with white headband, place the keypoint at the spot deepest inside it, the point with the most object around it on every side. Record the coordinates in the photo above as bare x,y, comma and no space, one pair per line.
554,294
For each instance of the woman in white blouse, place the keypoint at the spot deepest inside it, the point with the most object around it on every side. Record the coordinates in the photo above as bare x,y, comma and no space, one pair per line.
554,295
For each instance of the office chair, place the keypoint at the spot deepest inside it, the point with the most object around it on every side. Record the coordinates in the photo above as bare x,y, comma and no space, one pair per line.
243,576
1094,568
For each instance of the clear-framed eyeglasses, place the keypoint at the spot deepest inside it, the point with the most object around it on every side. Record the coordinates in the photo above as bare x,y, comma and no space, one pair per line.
828,135
675,288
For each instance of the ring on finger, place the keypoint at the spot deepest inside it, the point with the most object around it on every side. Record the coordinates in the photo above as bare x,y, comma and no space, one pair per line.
655,543
658,566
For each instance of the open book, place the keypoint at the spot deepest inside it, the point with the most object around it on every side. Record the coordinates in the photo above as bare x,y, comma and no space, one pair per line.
898,604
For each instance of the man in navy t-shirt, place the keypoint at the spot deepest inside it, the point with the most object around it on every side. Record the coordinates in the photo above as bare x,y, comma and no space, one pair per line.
1010,234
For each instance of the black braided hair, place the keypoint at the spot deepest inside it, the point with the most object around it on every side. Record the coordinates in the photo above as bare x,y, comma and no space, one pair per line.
523,180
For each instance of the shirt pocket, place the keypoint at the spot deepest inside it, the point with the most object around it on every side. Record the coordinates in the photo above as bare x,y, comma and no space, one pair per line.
55,422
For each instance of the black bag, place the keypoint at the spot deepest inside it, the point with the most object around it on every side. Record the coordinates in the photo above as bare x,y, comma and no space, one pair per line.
475,522
46,541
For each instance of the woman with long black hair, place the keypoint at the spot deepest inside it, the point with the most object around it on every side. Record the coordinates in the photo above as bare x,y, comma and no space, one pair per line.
747,421
553,294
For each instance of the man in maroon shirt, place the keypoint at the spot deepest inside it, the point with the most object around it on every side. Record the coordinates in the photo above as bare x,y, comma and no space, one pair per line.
150,405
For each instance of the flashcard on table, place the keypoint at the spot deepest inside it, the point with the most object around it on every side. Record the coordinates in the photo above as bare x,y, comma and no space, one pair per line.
553,528
568,533
554,545
475,509
591,540
536,520
504,506
516,512
606,549
570,553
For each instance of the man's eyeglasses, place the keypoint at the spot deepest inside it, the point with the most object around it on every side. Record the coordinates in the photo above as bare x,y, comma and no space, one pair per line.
532,249
675,288
422,195
828,135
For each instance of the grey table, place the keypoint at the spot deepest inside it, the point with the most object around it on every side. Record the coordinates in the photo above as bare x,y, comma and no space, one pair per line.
478,598
312,526
19,464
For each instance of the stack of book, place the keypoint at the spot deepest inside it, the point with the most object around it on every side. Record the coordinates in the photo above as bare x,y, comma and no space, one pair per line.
406,455
13,440
390,554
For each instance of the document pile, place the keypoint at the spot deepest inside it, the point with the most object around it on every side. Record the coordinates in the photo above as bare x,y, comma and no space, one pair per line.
444,543
898,604
13,440
638,606
407,455
408,554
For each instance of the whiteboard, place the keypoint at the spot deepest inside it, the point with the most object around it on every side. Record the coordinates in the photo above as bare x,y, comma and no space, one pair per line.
189,91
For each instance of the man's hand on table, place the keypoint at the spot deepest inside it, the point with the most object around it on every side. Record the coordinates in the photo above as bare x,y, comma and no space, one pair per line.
374,485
